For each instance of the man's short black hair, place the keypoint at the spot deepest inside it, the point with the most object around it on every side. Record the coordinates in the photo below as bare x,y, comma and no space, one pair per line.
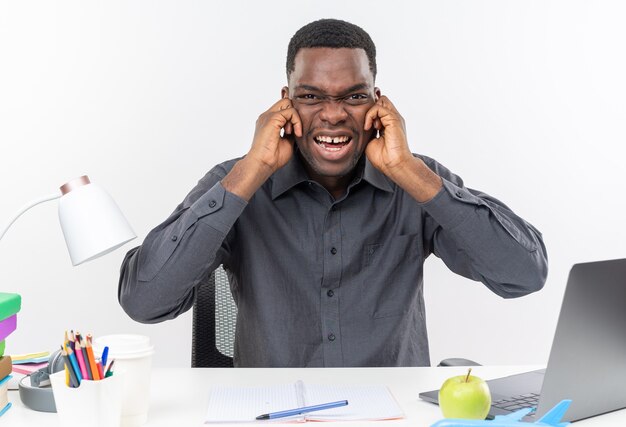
333,33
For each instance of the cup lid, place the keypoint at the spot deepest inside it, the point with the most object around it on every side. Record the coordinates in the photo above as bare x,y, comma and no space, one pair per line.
125,346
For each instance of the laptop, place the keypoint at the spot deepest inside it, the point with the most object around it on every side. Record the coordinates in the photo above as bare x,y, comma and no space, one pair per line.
588,357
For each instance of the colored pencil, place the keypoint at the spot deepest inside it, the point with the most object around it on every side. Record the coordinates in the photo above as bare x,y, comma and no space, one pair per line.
68,382
110,370
81,360
83,346
92,361
74,381
72,357
100,370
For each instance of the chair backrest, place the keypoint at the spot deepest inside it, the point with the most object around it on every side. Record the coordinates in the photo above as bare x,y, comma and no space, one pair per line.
214,318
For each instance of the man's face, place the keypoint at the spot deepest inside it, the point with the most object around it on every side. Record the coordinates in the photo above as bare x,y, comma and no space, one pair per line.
332,90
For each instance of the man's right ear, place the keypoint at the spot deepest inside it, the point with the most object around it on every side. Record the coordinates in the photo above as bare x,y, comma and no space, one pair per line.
284,92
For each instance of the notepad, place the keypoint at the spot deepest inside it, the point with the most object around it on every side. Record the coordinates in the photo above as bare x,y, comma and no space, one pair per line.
244,404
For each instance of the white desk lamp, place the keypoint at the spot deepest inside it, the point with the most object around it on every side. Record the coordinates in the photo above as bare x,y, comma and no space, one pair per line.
92,223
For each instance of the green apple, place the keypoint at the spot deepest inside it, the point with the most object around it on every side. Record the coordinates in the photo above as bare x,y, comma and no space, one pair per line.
465,397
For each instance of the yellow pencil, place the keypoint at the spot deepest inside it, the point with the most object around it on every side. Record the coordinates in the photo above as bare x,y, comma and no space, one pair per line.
67,373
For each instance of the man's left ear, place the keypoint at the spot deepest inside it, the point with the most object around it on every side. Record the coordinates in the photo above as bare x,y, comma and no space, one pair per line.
377,93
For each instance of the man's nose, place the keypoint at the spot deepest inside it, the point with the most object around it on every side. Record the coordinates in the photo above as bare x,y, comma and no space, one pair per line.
333,112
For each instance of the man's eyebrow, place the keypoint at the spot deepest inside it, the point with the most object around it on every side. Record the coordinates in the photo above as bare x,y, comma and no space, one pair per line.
357,87
309,88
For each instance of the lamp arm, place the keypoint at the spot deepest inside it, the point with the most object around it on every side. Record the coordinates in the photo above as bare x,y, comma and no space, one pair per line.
27,207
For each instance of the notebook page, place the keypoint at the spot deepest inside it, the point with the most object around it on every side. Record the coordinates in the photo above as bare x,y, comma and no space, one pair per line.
244,404
365,402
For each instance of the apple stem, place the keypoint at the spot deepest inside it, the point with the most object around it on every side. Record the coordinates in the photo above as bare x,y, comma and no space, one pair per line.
468,375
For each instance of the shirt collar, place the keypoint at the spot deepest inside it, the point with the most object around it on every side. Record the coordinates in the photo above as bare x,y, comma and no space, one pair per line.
288,176
376,177
293,173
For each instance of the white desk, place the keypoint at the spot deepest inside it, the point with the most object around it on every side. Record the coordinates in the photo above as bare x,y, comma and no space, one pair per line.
179,396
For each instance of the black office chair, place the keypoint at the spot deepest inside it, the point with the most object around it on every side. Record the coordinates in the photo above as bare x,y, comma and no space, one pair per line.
214,317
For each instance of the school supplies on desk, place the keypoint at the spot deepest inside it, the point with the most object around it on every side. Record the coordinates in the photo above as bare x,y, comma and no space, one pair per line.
7,326
92,360
30,358
93,404
244,404
303,410
4,398
28,368
81,362
5,377
133,357
10,305
5,366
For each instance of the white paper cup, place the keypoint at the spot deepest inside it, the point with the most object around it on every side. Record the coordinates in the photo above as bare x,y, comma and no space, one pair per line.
133,356
92,404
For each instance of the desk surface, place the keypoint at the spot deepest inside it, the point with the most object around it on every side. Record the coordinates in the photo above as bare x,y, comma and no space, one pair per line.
180,396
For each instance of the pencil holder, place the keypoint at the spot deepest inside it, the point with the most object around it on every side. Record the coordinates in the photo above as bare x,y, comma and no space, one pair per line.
133,357
92,404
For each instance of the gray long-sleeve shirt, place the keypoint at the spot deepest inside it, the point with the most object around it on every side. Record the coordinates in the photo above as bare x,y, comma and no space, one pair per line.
324,282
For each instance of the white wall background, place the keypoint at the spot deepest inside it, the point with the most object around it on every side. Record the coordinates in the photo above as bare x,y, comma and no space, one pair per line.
524,99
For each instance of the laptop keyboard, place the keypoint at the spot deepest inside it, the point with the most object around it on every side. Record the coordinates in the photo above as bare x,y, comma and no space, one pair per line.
517,402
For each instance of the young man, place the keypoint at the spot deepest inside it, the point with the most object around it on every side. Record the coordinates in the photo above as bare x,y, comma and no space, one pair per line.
325,224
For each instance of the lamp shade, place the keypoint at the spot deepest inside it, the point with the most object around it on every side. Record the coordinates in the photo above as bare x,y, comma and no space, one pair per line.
92,223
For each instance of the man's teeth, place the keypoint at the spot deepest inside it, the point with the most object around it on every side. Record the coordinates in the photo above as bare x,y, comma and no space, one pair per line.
332,140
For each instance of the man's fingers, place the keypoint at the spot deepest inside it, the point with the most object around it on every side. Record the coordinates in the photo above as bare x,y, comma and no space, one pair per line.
376,114
281,105
294,123
382,114
295,120
289,119
382,111
283,116
386,103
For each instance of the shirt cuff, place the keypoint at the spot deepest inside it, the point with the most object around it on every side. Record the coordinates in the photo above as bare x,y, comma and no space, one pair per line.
219,208
452,205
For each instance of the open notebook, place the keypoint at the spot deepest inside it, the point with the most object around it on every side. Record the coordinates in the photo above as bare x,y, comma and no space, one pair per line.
244,404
